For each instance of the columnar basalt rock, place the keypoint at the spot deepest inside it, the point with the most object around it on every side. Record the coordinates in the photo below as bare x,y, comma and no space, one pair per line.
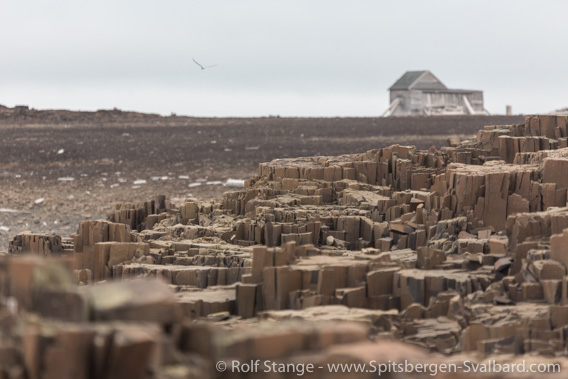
457,250
38,244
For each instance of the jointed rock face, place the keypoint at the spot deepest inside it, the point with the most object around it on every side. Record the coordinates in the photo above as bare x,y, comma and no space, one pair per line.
461,250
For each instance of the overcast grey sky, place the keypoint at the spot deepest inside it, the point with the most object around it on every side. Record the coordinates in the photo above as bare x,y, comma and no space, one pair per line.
292,57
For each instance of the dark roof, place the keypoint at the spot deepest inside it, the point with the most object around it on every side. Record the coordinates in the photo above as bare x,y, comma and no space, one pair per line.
411,79
407,79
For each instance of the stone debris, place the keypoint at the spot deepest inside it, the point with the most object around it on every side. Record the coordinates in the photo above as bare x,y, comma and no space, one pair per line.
451,251
37,244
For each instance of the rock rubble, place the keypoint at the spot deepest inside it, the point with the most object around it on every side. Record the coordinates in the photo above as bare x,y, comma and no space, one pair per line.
461,250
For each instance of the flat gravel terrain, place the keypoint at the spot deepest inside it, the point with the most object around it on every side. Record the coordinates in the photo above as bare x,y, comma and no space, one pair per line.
58,167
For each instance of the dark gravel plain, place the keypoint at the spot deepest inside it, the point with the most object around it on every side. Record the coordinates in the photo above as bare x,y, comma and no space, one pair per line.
105,152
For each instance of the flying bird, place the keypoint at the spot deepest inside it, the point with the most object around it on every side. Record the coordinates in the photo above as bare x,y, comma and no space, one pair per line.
200,65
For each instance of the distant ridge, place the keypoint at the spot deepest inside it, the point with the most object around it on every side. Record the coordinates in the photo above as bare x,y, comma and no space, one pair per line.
22,113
